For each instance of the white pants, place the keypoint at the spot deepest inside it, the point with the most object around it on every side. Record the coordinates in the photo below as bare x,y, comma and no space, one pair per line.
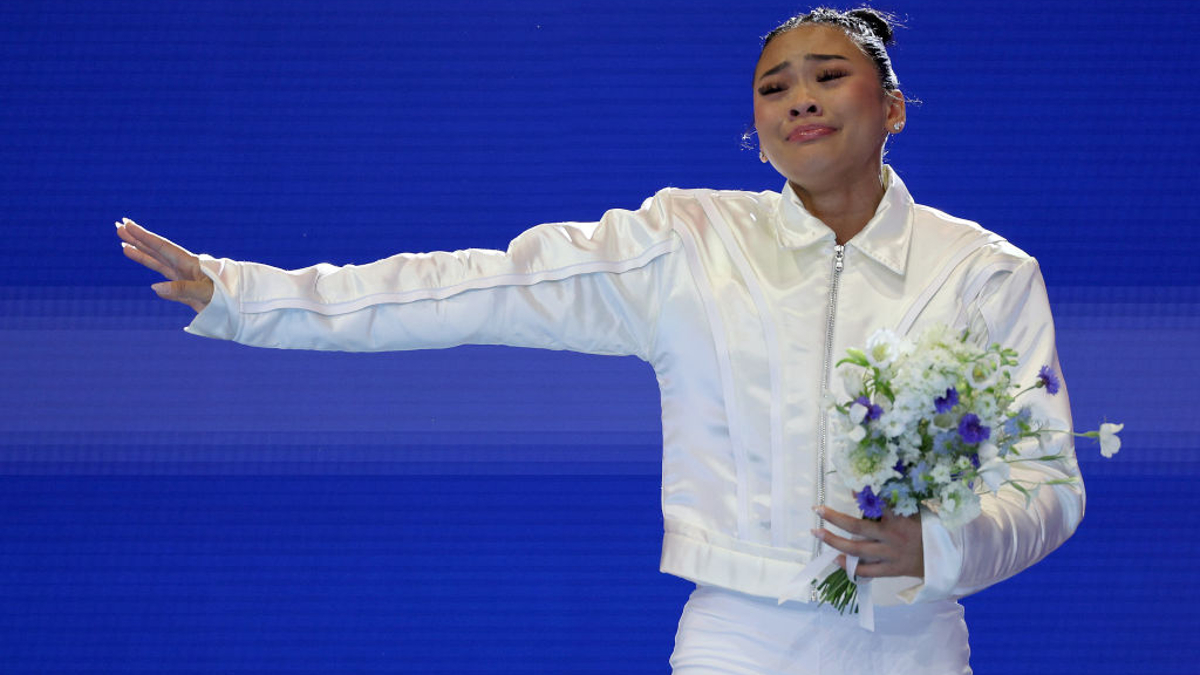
728,633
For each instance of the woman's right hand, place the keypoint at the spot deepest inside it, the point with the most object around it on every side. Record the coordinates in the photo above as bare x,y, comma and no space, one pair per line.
186,283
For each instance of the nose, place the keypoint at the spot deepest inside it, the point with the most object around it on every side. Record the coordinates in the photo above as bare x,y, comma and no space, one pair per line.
804,105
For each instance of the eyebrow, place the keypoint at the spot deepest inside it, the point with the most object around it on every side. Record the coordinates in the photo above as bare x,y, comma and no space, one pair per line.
807,57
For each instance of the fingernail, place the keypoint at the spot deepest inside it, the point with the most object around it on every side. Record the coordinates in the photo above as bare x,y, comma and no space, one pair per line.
817,533
820,510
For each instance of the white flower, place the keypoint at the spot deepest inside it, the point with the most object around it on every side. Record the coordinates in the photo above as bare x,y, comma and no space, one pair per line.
994,472
884,470
1109,443
936,337
909,454
882,347
856,433
940,473
852,380
959,506
893,424
857,412
906,506
988,410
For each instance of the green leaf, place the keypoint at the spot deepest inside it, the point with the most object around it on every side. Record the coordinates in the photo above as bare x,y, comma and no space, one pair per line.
856,356
1023,490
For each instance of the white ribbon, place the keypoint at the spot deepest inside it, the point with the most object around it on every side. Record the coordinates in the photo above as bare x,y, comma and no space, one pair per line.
801,587
866,606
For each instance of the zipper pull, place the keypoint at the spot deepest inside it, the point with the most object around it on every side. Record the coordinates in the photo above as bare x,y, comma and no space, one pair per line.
838,257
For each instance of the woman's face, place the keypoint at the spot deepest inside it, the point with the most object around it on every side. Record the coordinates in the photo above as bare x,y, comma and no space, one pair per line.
820,112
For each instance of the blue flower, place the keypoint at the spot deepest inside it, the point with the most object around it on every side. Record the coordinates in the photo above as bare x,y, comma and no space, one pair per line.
895,491
1047,379
918,477
971,430
1012,426
870,504
942,441
873,410
945,403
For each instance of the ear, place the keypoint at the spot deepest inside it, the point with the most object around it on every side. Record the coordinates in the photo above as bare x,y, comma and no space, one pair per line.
894,100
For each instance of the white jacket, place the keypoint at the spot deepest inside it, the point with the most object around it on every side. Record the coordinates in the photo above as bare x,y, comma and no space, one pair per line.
740,301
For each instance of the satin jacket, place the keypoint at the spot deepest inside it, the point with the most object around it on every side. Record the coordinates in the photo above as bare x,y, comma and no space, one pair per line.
741,302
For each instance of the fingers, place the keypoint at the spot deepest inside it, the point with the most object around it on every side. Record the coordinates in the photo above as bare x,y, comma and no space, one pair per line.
186,283
891,547
194,294
866,549
848,523
138,245
871,569
172,261
138,256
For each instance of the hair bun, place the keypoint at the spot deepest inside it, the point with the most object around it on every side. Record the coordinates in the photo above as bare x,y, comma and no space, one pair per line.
879,22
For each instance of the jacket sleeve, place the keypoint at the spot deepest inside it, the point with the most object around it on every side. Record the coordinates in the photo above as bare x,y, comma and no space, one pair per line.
589,287
1010,535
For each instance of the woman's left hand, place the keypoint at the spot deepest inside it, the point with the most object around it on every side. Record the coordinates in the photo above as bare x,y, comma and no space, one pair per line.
891,547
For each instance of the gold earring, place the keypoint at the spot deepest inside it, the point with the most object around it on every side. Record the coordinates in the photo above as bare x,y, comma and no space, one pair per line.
762,157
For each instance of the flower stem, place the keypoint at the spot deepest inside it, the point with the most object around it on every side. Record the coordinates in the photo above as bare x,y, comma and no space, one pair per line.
839,591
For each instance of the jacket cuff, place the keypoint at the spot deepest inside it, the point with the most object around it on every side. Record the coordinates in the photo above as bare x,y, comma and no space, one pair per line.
220,319
943,561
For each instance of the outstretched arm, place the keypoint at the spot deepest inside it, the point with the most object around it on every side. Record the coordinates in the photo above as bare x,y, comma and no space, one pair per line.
588,287
185,282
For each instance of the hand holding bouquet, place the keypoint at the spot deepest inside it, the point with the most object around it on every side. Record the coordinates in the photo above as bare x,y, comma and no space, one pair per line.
933,423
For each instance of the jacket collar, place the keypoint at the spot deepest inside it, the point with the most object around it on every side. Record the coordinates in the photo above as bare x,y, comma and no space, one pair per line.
885,238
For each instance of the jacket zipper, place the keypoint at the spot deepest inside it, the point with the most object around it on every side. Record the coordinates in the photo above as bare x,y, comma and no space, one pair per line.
838,264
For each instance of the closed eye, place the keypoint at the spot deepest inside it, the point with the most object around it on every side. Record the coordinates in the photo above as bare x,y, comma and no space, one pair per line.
830,75
769,89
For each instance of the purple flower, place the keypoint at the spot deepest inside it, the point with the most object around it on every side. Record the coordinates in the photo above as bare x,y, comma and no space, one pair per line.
873,410
1047,379
945,403
870,504
971,430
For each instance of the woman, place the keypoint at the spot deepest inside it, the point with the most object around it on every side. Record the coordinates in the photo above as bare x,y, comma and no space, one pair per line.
741,302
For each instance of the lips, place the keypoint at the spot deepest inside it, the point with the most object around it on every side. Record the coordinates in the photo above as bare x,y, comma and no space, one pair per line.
809,132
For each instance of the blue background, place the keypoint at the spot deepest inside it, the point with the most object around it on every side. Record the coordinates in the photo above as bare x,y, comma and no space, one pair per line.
172,504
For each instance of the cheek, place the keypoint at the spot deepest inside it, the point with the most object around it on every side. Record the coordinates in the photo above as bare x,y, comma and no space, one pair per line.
762,116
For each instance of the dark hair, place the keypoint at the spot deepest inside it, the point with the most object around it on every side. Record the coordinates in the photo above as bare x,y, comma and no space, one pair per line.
870,29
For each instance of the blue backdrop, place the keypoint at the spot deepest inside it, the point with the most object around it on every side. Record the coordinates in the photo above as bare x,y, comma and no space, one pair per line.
172,504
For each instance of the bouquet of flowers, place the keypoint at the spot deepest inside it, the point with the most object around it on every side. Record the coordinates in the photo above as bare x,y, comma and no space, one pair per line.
933,422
